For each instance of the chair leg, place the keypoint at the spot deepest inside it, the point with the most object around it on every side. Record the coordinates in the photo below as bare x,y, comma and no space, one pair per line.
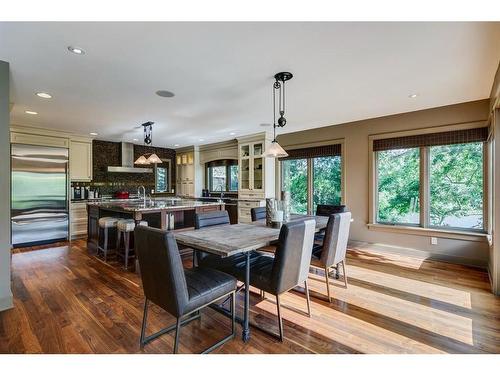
345,275
118,239
105,244
280,320
177,332
307,299
327,284
233,313
126,236
144,319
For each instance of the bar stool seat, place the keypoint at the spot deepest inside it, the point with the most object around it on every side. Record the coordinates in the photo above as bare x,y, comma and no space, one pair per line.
125,227
105,224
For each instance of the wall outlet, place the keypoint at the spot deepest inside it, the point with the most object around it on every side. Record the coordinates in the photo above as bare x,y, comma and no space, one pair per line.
434,241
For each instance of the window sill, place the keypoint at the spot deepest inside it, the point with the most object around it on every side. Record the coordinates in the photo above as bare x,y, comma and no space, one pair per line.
431,232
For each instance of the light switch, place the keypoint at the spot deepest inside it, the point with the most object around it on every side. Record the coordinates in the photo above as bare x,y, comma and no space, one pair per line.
434,241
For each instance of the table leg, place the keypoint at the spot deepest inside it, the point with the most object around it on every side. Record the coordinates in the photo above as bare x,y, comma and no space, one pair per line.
164,220
246,322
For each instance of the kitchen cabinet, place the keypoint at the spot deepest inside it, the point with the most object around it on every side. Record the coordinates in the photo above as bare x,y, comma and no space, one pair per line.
80,160
256,174
188,176
78,219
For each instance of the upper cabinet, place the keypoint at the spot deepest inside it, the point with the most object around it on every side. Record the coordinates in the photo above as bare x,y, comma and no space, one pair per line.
256,178
188,177
80,160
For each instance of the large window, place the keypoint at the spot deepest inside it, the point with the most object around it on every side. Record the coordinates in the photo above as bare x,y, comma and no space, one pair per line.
398,177
162,176
222,175
456,186
313,179
432,180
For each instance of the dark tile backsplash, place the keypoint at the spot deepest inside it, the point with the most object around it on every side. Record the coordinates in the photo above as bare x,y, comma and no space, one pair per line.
106,154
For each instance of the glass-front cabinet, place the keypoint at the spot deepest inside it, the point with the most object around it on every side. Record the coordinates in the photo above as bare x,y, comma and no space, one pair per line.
252,166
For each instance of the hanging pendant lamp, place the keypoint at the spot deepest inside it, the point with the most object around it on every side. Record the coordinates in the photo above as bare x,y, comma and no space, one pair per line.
148,158
275,150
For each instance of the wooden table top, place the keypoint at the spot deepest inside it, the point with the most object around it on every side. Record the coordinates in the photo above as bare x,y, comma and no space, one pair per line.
228,240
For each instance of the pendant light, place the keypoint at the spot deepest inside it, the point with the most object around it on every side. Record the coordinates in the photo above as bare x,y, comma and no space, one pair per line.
148,158
275,150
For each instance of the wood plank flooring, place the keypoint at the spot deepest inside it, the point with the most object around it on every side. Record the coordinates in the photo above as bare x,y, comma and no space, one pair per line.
69,302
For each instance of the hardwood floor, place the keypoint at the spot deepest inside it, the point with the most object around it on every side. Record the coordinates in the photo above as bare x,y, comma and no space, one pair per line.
69,302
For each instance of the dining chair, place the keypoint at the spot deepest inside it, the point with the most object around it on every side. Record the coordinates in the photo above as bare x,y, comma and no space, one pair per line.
327,210
258,213
287,269
182,293
208,219
332,251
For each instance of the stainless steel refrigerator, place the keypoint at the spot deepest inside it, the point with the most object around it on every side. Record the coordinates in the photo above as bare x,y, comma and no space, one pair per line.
39,197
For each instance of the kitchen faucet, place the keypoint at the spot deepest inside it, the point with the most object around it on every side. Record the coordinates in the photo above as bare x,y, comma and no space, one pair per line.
143,193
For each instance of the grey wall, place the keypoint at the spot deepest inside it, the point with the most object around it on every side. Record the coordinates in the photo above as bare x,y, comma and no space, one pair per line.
356,159
5,291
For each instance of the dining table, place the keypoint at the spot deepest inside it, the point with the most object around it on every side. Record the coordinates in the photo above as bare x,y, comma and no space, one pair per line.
228,240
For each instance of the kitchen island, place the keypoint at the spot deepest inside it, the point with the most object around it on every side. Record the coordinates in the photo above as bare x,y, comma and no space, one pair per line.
164,213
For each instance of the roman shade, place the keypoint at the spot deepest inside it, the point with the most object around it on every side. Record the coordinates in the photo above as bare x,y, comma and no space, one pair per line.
314,152
432,139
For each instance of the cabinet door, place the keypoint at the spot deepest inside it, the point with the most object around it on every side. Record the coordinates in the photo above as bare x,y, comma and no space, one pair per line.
245,174
80,161
258,173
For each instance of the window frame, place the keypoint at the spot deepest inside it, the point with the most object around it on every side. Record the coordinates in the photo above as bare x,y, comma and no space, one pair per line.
424,228
310,172
169,177
227,165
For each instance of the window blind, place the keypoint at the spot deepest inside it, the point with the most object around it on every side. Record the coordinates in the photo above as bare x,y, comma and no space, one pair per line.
314,152
432,139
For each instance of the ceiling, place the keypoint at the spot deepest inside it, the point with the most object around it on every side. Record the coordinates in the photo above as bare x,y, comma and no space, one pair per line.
222,74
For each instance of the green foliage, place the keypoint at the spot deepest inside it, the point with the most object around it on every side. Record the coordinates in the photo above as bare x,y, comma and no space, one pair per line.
456,185
398,185
326,182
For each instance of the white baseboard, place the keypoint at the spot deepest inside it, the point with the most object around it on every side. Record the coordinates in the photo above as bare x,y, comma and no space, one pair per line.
6,303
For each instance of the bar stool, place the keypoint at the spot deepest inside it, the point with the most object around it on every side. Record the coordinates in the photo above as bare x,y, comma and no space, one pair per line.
125,227
105,224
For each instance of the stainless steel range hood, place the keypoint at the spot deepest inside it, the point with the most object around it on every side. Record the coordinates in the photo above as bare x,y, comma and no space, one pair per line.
128,161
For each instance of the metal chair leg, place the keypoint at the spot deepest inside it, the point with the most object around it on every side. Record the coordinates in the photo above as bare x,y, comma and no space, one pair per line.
307,299
327,284
280,321
144,319
345,275
177,332
126,236
105,244
233,313
118,239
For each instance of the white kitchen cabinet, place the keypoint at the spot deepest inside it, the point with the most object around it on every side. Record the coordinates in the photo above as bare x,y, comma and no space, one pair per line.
80,160
78,219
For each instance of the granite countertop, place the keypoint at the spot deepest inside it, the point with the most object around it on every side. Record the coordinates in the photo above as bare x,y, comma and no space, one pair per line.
155,204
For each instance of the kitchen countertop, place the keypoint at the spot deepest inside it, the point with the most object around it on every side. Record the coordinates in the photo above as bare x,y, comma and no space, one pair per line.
153,205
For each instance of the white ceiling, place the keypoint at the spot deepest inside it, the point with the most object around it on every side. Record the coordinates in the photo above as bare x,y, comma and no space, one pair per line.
222,74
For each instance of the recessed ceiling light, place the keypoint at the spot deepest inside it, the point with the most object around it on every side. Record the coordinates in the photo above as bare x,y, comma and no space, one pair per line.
232,133
93,133
44,95
265,124
135,139
412,96
165,93
176,145
76,50
201,139
31,112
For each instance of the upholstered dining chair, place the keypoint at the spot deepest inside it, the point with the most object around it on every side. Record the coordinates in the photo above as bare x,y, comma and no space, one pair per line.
327,210
258,213
287,269
182,293
332,252
208,219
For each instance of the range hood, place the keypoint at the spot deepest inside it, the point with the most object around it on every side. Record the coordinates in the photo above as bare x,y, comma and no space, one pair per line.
127,157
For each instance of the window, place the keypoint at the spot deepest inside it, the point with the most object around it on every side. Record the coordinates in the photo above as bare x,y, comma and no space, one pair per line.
431,180
162,176
398,177
312,176
294,180
456,186
222,175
